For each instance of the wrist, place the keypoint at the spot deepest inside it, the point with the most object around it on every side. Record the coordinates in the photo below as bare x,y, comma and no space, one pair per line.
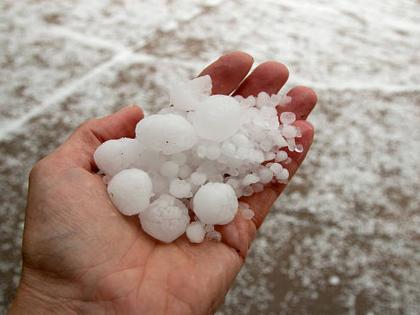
41,295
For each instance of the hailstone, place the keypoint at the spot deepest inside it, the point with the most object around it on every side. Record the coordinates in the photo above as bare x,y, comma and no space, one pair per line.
130,191
168,133
165,219
215,203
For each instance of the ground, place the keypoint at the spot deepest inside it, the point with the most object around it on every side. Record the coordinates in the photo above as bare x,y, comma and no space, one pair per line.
344,238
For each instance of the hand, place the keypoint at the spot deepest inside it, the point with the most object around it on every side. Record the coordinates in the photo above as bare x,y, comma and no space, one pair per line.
80,255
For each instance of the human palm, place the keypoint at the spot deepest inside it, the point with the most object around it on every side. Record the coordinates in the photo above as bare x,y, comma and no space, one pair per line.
81,255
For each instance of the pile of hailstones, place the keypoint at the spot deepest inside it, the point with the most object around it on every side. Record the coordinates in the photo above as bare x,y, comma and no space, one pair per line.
197,157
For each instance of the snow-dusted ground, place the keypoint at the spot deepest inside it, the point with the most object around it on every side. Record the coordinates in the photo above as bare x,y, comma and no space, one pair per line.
344,238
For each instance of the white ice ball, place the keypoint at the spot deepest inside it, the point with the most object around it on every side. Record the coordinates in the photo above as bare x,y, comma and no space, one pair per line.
168,133
165,219
195,232
180,188
130,191
188,95
215,203
113,156
217,118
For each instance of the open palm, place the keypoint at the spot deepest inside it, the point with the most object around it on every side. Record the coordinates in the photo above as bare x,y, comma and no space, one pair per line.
80,255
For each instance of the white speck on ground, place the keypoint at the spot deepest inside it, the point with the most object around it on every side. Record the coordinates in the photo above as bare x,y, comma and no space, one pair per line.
352,213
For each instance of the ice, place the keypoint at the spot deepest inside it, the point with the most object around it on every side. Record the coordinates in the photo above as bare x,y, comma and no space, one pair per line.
198,178
188,95
130,191
214,236
250,179
165,219
289,131
169,169
113,156
281,156
202,153
215,203
287,118
266,175
217,118
195,232
168,133
180,188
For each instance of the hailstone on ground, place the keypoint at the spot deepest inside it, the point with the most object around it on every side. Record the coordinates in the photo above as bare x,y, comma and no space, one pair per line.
195,158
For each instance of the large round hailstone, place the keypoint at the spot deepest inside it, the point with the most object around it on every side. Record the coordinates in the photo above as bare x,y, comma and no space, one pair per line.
215,203
113,156
188,95
165,219
217,118
130,191
168,133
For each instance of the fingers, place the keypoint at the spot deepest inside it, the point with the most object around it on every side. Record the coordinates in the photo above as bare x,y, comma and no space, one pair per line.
228,71
302,103
78,149
269,77
241,232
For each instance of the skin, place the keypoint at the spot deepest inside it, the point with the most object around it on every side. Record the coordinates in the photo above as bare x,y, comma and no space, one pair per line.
80,255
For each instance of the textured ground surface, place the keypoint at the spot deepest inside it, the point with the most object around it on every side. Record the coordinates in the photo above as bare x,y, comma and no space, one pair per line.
344,239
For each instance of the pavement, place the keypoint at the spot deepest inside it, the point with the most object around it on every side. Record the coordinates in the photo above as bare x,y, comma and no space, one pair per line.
344,237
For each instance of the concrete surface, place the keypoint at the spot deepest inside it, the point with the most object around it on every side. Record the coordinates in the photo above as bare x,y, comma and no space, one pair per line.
344,238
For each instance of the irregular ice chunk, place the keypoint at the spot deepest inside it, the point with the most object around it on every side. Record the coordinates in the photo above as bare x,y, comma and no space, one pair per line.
113,156
195,232
180,188
215,203
188,95
165,219
250,179
168,133
217,118
130,191
289,131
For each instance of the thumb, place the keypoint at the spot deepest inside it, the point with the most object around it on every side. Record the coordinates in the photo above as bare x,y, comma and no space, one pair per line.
78,149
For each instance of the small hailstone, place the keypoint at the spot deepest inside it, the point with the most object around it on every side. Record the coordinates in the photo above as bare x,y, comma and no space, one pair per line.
165,219
169,169
281,156
269,156
289,131
213,152
180,188
299,148
217,118
208,227
113,156
247,213
247,191
334,280
266,175
240,140
287,118
243,205
276,168
188,95
168,133
214,236
263,99
184,171
195,232
130,191
228,149
215,203
198,178
250,179
283,174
